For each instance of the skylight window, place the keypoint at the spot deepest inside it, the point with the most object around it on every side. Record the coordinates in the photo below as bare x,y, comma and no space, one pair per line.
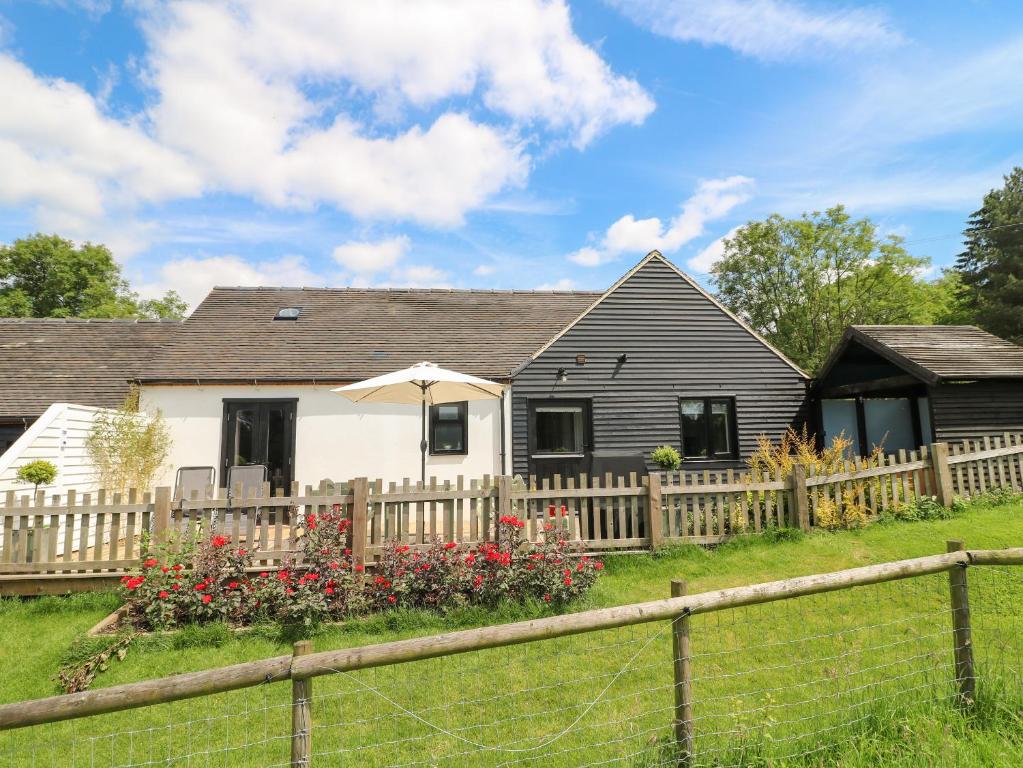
288,313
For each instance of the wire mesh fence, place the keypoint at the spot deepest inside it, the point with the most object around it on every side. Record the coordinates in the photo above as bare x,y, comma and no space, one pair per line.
791,682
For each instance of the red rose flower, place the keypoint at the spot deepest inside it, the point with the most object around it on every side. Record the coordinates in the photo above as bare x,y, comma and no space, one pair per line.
164,594
218,541
152,561
360,568
206,599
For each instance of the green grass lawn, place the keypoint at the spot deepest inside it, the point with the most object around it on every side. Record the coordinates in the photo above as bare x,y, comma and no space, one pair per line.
852,678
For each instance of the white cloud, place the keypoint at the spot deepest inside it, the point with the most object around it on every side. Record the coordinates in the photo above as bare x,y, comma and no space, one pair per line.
59,151
483,270
712,200
564,284
420,111
230,79
194,276
767,29
416,276
366,257
702,262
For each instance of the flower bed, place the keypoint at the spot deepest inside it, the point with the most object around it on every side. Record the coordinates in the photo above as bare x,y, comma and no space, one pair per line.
208,578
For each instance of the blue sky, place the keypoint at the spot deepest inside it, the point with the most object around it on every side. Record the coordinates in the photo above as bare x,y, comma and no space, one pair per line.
517,144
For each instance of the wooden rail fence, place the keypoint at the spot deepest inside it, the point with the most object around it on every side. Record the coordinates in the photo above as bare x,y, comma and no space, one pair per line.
80,541
304,665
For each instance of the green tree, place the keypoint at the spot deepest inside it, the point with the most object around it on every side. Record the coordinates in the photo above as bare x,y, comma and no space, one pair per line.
992,264
48,276
800,282
170,305
38,472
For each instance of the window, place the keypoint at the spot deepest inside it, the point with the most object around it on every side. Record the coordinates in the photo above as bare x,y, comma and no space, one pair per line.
449,428
708,428
559,430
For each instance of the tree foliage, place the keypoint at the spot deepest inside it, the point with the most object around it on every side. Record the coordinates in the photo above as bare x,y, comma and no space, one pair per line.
48,276
991,267
39,472
127,447
800,282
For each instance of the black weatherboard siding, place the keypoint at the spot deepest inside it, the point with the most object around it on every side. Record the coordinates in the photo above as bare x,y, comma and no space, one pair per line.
678,344
977,409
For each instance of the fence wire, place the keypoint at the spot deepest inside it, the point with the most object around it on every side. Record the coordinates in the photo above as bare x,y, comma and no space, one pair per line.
793,682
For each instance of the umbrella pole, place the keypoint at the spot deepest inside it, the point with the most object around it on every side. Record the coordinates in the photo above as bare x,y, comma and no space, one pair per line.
422,441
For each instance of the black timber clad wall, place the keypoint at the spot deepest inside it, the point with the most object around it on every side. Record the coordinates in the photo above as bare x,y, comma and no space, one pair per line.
678,344
972,410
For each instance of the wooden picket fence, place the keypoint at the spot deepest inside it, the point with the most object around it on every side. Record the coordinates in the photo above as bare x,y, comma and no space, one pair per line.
83,541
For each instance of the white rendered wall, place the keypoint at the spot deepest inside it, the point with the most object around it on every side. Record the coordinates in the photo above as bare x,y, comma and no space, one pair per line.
334,438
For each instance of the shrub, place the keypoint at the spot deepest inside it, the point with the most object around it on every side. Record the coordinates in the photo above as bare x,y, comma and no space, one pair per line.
666,458
38,472
923,508
127,447
800,449
206,578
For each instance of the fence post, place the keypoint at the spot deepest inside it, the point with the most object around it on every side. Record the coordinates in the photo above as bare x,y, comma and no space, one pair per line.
942,473
162,514
966,682
301,712
800,497
683,680
655,516
360,512
504,504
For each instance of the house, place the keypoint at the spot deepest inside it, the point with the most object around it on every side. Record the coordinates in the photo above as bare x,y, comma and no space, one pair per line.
55,375
653,360
907,385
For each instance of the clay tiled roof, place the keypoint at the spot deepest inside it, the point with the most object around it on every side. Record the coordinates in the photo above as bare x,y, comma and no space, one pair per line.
86,362
943,352
351,334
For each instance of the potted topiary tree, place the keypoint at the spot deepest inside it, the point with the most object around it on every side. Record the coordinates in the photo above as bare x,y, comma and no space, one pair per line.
667,458
39,472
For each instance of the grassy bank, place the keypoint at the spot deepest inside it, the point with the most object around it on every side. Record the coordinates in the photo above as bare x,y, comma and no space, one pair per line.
759,672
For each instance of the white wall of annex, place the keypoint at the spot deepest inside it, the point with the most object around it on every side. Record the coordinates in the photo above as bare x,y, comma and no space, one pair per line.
334,438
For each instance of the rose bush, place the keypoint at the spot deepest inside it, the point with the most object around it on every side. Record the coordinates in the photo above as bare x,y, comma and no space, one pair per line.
209,578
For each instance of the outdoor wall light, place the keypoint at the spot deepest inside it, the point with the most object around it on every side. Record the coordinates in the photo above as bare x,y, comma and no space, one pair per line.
562,375
622,358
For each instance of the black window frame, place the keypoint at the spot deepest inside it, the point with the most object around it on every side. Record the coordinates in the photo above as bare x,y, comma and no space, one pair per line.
733,427
584,404
463,416
261,404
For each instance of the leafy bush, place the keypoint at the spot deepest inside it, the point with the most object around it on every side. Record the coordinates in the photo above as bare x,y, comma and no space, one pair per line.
38,472
924,508
800,449
127,447
207,579
666,458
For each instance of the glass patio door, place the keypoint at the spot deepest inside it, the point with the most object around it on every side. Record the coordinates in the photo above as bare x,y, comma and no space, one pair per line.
260,432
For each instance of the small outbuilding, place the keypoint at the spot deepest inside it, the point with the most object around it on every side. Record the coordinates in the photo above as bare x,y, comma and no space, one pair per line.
902,386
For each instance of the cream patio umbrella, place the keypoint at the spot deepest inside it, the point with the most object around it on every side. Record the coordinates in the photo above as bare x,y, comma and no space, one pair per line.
424,383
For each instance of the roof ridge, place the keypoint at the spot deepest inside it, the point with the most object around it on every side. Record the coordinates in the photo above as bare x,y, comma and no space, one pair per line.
94,320
349,288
